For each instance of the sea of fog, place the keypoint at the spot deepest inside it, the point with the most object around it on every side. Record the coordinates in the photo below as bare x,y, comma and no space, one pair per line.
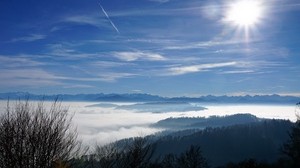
102,123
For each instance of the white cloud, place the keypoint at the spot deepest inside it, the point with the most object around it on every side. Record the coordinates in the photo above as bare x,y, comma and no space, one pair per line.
108,64
160,1
104,125
258,65
113,76
138,55
34,75
193,10
136,90
237,72
30,38
102,71
102,137
27,77
93,20
160,41
203,44
17,61
66,51
78,86
41,78
181,70
26,74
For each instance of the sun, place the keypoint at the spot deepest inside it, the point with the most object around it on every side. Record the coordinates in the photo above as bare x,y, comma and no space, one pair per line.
245,13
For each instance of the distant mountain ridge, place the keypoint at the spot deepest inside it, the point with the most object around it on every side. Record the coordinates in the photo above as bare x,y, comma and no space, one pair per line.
141,97
202,122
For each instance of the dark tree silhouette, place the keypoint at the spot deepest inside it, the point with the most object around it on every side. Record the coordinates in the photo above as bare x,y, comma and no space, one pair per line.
292,147
250,163
192,158
106,156
137,154
169,161
36,136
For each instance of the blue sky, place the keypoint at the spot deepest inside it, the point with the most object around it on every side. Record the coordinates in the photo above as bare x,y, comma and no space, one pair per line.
163,47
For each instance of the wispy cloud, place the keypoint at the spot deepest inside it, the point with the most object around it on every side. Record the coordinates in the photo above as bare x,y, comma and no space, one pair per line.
64,51
77,86
30,38
36,77
92,20
258,64
114,76
108,64
160,1
108,72
27,77
137,91
181,70
187,10
237,72
17,61
203,44
138,55
108,18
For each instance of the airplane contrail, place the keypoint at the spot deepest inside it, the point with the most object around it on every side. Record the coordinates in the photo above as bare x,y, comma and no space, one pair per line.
111,22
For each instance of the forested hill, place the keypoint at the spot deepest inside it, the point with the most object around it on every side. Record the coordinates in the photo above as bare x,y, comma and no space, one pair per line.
220,145
202,122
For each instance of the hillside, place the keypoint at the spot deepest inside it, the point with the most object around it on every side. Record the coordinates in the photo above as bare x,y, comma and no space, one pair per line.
220,145
202,122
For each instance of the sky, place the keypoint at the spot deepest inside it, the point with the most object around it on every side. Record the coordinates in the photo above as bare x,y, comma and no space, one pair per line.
161,47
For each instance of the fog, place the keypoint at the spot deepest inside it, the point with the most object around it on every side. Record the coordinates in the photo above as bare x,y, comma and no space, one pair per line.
101,123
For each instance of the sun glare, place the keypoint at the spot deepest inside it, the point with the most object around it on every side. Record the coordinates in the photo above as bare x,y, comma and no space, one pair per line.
245,13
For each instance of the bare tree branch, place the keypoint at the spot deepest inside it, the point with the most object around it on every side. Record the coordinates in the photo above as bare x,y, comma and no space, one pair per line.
36,136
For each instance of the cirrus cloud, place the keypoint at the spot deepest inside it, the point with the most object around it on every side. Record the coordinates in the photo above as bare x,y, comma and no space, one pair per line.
30,38
138,55
181,70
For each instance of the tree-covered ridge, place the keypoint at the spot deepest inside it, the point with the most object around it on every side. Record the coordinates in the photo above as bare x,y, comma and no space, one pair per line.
261,140
203,122
256,144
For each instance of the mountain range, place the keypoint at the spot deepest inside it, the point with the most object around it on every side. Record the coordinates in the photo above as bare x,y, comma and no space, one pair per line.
139,97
